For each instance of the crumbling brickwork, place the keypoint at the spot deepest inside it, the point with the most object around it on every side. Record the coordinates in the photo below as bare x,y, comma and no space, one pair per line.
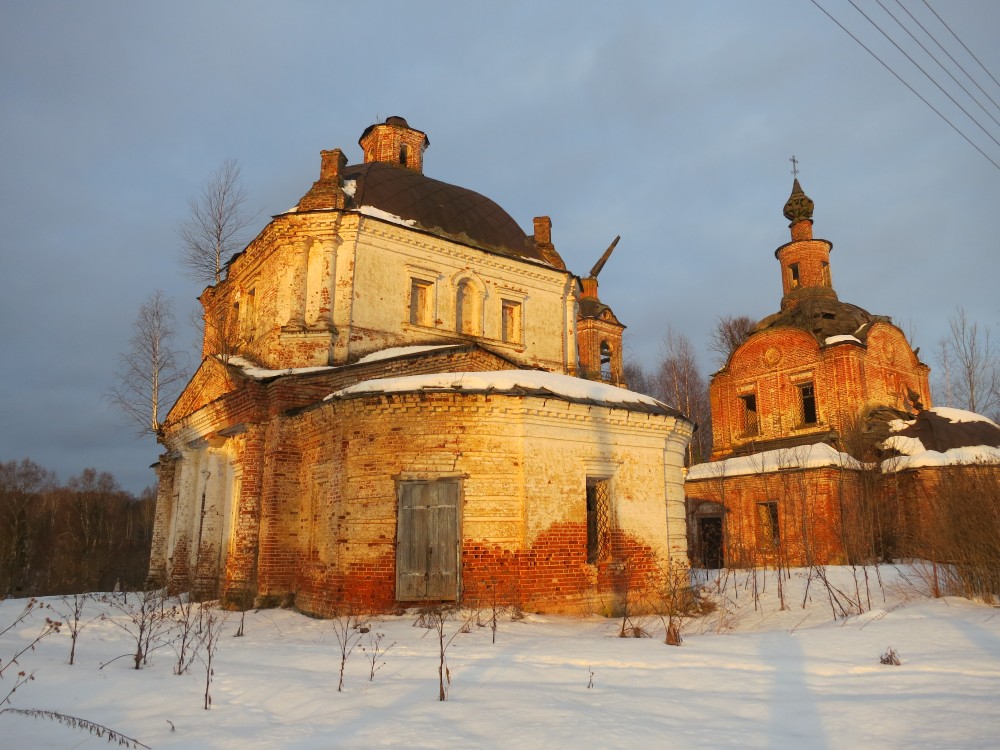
808,374
279,488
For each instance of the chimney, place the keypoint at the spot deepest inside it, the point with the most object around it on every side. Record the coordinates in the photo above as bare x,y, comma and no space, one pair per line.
328,191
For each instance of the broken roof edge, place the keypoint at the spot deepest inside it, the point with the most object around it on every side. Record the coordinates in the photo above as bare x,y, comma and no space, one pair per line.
262,374
534,383
810,456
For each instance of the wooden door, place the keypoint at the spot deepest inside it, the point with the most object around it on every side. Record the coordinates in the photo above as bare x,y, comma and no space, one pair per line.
427,541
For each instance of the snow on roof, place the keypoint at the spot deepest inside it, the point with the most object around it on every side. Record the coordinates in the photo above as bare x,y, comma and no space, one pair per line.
512,381
350,186
960,415
814,456
401,351
378,213
908,446
957,431
973,454
843,337
259,373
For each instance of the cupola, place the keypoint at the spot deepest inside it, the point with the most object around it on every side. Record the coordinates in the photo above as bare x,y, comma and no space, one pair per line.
805,262
395,142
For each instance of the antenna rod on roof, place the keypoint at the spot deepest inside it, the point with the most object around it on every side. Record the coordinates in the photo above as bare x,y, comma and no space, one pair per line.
604,258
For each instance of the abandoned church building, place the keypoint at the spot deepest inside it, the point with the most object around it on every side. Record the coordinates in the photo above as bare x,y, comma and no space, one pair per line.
404,398
810,462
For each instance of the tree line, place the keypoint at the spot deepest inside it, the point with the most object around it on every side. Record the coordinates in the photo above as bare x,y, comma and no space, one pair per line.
87,534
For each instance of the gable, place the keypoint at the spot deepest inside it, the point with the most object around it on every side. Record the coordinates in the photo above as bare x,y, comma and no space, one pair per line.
211,381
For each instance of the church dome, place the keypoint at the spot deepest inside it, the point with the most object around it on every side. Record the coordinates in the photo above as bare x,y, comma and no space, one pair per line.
446,210
823,317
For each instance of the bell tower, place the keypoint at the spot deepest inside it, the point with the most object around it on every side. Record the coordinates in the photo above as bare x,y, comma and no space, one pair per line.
805,262
599,332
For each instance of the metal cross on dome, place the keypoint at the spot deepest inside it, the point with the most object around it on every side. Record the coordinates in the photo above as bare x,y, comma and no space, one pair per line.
795,166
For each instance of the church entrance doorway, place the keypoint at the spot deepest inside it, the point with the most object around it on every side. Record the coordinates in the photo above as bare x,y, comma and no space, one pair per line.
427,540
710,541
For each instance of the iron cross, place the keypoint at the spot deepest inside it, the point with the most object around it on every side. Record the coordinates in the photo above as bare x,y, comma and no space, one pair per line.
795,166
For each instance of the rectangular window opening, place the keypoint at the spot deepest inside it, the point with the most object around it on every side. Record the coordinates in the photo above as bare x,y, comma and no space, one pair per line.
770,531
598,520
250,314
751,423
420,302
794,271
510,321
807,398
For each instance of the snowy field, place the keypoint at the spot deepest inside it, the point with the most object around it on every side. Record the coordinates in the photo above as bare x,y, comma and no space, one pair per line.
748,675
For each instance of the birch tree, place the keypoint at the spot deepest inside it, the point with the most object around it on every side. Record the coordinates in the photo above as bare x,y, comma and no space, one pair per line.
151,373
214,230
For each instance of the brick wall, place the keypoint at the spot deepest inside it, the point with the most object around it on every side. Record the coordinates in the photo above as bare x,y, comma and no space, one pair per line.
811,507
522,462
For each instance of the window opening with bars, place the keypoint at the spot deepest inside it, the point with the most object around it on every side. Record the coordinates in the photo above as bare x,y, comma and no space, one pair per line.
751,423
598,520
769,529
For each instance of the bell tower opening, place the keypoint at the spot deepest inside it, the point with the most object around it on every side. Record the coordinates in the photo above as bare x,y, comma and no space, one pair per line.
599,333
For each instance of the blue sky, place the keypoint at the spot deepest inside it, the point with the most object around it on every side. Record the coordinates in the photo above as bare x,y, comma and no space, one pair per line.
668,123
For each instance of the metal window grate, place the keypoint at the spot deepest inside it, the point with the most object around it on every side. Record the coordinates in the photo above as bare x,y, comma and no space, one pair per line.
598,520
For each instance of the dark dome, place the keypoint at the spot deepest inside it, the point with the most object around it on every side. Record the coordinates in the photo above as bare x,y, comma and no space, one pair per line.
823,317
446,210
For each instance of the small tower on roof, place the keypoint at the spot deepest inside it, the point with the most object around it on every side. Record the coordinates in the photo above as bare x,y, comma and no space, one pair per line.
395,142
805,262
598,331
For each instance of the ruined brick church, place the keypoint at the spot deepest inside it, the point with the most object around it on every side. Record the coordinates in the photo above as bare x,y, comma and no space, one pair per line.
815,387
405,398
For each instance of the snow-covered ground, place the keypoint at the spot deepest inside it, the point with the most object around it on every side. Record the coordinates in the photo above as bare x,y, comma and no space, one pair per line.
748,675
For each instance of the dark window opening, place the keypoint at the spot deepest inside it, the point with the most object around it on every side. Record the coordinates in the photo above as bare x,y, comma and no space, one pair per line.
598,524
808,399
751,424
402,154
794,270
770,532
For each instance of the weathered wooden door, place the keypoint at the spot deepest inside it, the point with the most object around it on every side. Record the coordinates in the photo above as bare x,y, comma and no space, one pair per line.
427,540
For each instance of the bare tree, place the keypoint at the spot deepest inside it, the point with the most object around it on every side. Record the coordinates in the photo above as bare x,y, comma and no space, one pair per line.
730,331
152,373
22,487
679,383
214,228
970,362
637,378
